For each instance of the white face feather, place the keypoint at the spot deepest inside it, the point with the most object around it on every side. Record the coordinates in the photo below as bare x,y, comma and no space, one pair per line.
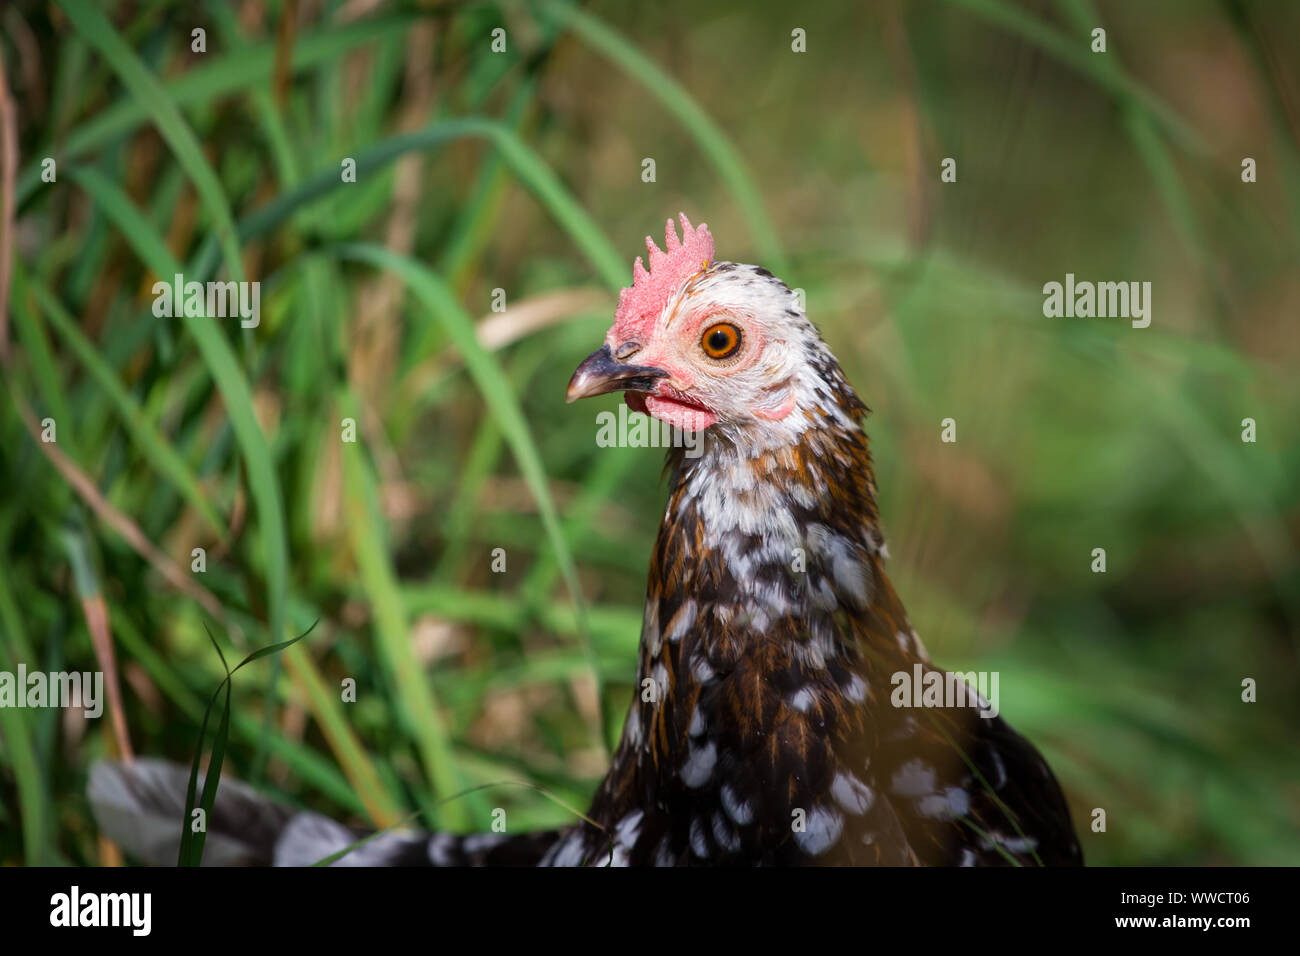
766,394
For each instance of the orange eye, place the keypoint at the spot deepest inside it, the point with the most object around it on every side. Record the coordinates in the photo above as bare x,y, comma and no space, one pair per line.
720,341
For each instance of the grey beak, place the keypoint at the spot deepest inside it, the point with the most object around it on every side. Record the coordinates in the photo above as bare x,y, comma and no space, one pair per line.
601,373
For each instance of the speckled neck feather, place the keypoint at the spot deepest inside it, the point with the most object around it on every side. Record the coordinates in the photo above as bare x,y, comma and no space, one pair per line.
762,731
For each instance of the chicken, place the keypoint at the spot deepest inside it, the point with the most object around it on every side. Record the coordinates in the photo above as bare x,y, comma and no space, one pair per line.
769,724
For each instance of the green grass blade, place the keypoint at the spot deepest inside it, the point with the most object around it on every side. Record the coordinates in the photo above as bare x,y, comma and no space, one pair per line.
193,839
247,68
497,394
303,761
149,90
392,624
20,740
49,387
155,447
675,98
230,380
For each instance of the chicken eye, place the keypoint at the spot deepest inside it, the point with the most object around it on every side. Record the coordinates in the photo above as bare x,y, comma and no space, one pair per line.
720,341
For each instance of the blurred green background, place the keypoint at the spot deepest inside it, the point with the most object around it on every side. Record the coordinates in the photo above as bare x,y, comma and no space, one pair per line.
521,171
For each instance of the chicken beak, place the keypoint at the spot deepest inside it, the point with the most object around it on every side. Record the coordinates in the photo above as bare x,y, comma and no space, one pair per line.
601,373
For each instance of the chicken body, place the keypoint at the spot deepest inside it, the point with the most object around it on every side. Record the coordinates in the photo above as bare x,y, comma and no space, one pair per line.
766,726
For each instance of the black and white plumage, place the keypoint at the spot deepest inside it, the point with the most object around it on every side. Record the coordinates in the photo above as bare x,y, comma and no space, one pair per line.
762,731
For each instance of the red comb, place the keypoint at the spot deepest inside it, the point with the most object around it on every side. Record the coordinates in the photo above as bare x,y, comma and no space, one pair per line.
650,291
